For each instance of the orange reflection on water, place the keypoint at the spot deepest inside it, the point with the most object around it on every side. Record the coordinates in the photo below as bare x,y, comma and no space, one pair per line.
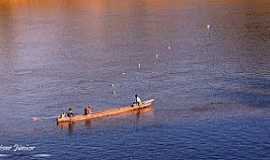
135,118
98,7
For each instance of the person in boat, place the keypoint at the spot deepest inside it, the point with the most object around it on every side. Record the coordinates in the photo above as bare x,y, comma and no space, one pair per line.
138,100
62,115
88,110
70,112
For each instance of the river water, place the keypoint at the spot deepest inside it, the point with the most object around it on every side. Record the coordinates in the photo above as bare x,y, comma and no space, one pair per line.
206,63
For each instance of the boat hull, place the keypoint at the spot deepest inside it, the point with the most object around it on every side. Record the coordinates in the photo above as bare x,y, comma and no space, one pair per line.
144,107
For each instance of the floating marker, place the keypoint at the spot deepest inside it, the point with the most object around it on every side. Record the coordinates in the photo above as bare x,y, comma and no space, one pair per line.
139,66
35,119
208,26
124,73
112,85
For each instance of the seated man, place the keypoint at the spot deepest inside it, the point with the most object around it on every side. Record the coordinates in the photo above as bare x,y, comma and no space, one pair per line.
87,110
70,113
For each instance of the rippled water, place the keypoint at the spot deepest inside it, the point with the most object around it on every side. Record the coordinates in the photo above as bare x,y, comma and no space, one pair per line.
205,62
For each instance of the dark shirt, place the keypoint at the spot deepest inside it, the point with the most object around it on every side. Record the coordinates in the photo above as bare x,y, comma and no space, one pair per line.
70,114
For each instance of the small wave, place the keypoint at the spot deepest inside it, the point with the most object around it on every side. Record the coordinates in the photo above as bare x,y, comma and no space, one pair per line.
4,155
20,73
96,148
42,155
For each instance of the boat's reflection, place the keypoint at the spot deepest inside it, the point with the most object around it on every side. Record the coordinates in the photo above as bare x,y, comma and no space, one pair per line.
134,119
88,124
68,126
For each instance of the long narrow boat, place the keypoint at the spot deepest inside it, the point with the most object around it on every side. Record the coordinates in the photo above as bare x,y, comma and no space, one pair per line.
144,107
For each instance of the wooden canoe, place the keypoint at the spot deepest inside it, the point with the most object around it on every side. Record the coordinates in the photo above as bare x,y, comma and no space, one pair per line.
144,107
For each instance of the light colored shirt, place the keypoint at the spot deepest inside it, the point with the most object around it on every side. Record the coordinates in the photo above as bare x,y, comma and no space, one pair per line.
138,99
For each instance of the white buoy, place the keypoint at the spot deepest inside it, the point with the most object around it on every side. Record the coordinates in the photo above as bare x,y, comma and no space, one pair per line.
124,73
157,56
112,85
139,66
208,26
35,118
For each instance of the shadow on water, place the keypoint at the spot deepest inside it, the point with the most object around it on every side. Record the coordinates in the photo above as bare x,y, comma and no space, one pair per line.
88,124
255,82
252,92
245,98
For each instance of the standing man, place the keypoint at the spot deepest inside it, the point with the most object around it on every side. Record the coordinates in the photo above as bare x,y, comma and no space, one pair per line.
138,100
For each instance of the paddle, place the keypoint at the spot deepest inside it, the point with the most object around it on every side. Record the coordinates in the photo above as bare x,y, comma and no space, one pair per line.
43,118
